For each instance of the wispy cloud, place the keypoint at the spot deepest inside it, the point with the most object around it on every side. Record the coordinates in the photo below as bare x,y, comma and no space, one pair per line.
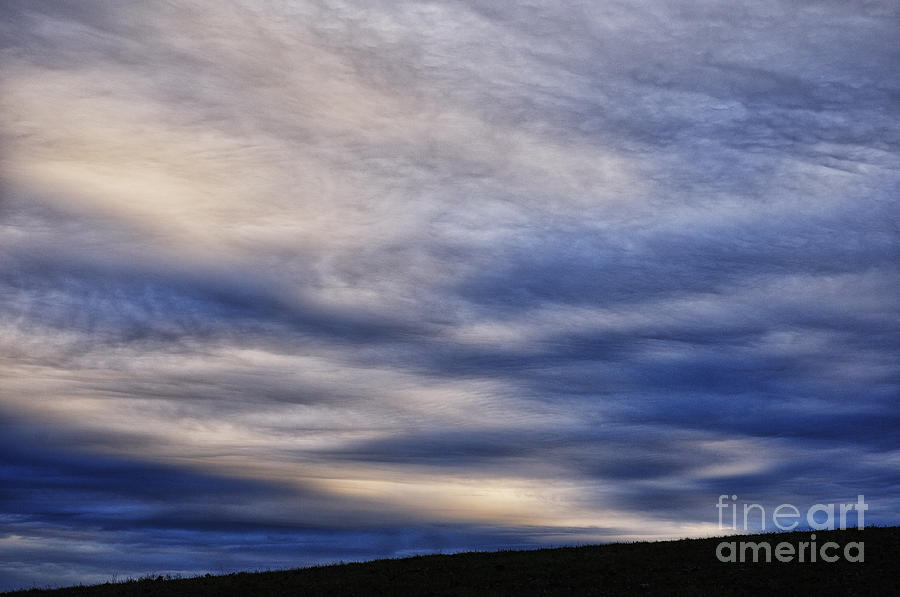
299,281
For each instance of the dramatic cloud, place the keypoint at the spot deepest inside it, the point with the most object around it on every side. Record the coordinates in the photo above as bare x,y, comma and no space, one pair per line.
298,281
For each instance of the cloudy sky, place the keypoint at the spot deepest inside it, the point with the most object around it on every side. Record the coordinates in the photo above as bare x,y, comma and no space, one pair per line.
298,281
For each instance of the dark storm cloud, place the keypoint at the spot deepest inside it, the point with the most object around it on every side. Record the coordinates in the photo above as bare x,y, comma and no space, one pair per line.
44,484
65,509
127,296
134,303
572,264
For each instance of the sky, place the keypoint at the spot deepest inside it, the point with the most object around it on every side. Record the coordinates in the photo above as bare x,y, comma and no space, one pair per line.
286,282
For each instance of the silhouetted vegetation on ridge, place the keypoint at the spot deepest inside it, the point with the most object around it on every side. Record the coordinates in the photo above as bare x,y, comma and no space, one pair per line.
684,567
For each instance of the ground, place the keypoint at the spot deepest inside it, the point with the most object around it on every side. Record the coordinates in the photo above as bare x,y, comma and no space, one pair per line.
685,567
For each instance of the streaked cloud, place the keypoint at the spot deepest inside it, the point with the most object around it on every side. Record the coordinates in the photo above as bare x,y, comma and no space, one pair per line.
291,282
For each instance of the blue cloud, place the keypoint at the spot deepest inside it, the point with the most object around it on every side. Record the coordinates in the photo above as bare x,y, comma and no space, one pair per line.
616,258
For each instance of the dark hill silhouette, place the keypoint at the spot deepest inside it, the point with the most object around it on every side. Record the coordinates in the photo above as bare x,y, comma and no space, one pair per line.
684,567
